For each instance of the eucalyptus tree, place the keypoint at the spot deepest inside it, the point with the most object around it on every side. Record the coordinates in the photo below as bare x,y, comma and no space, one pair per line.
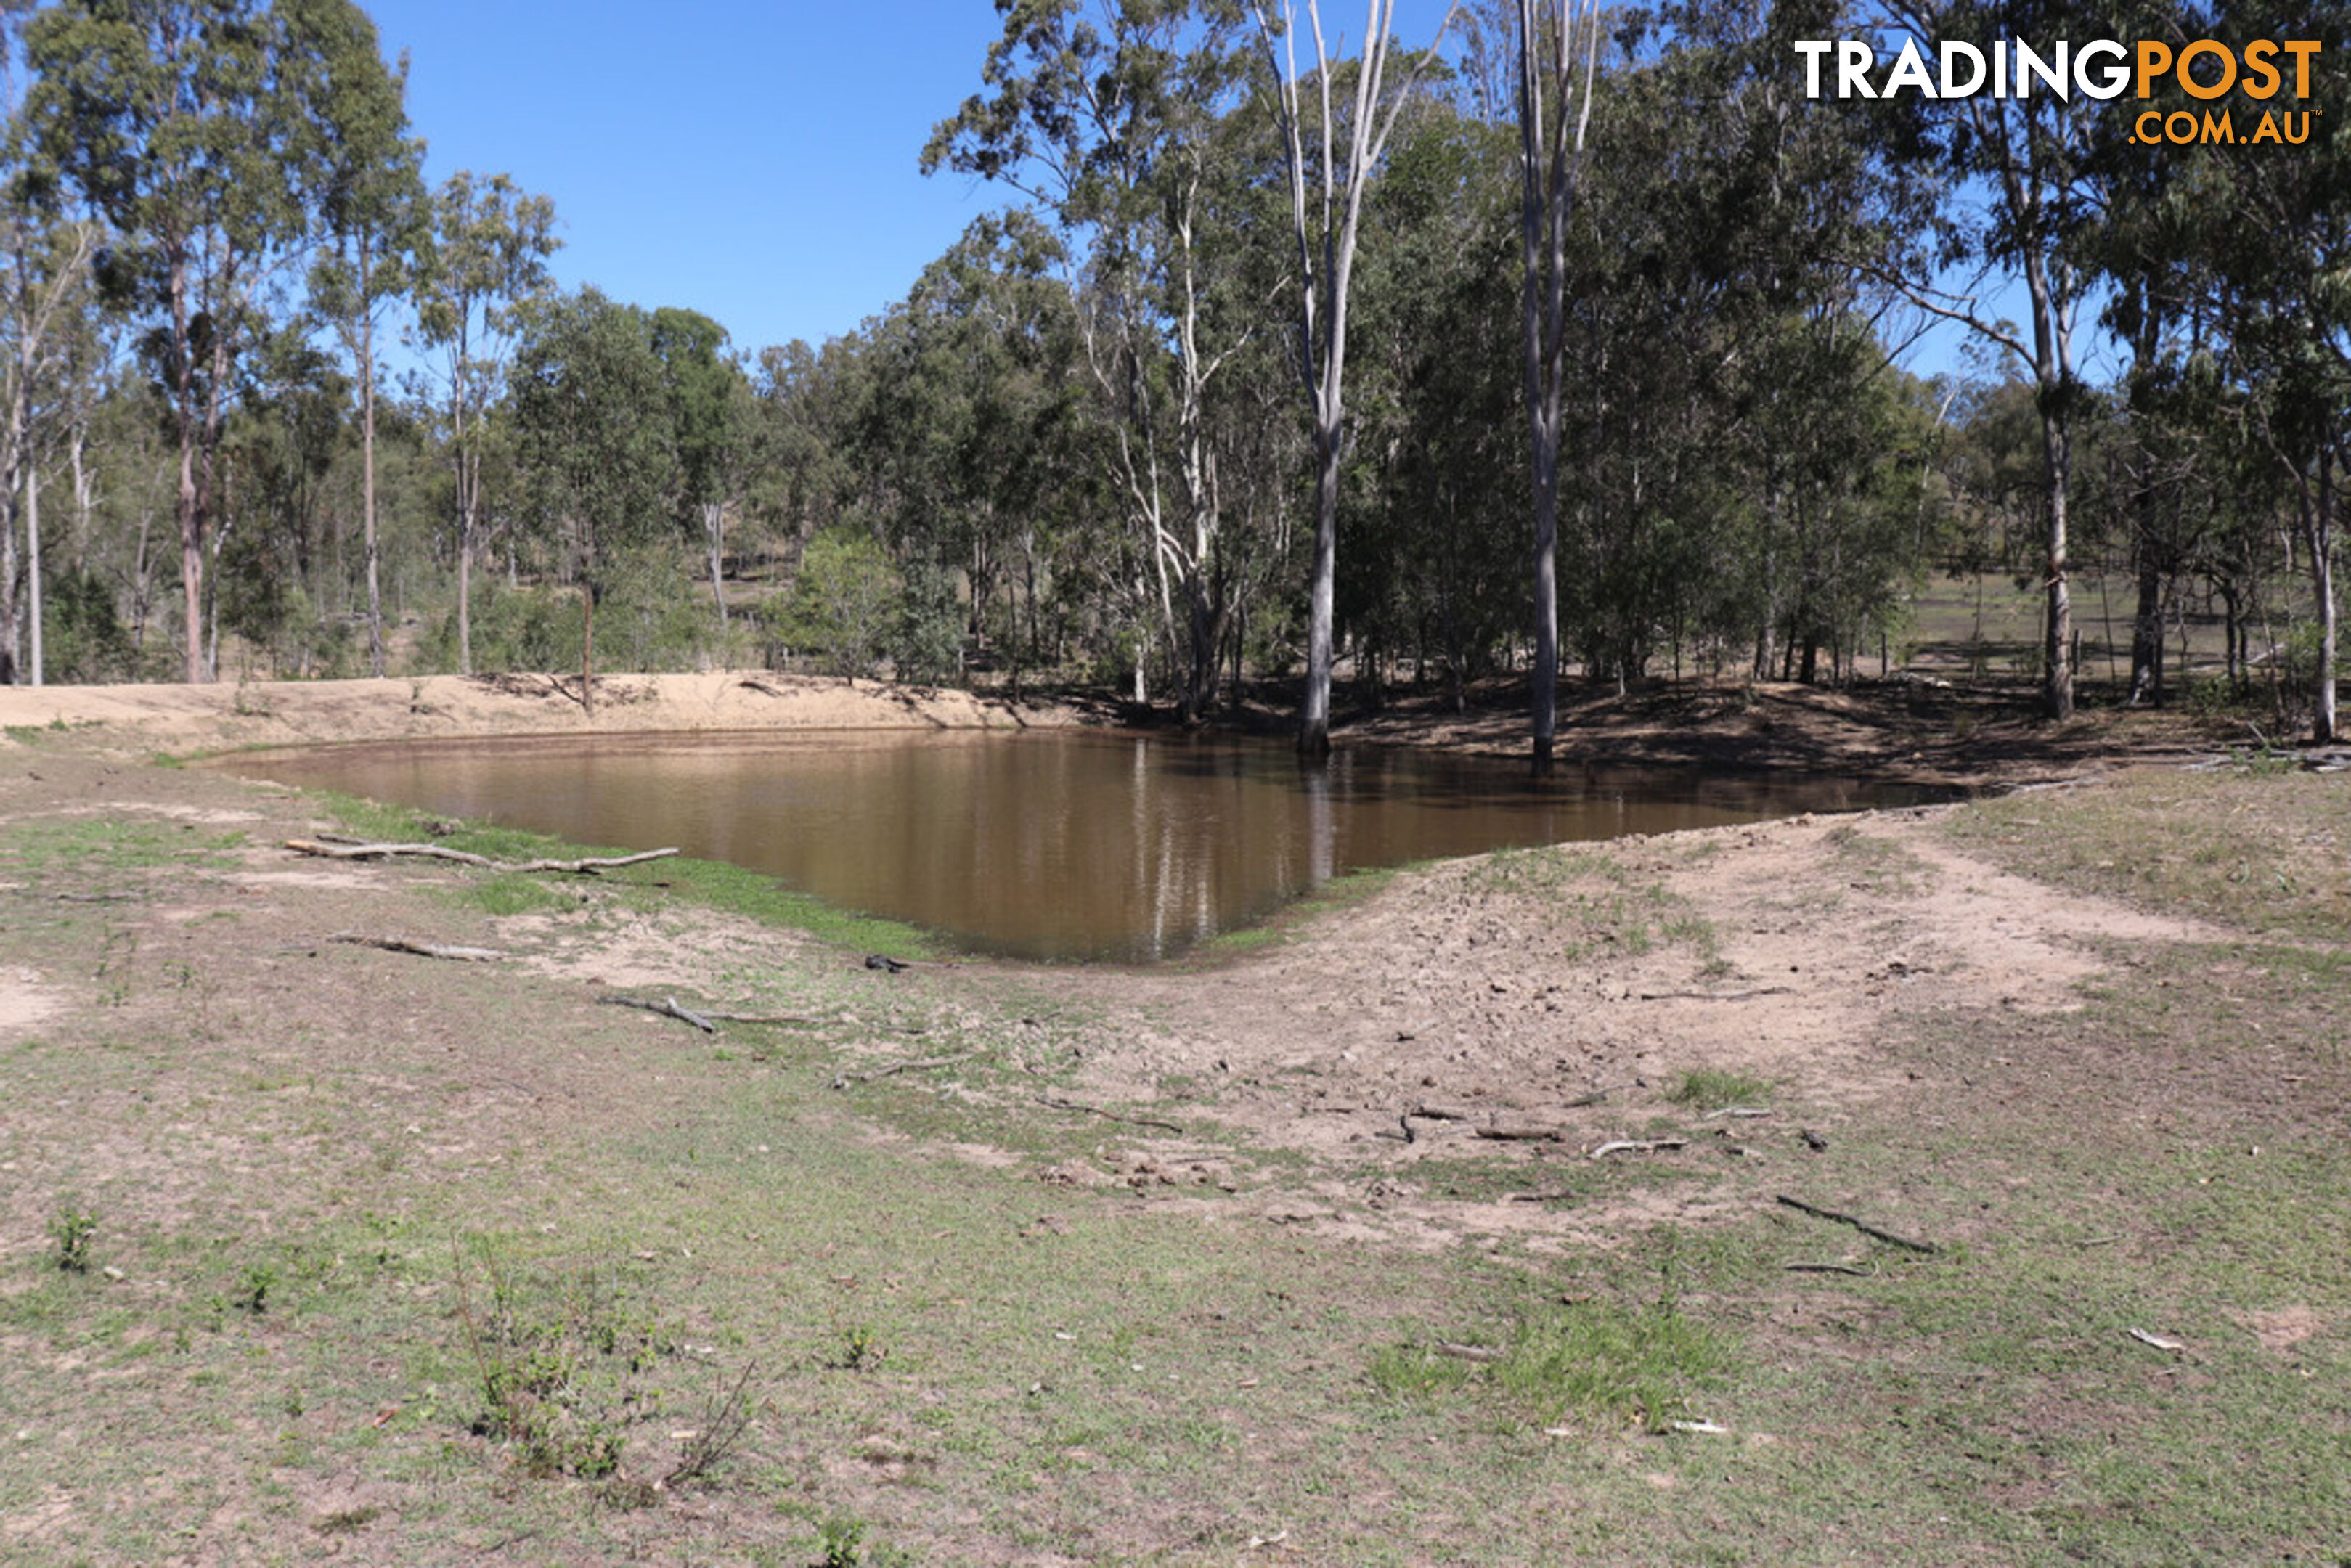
594,439
373,212
1326,203
483,258
1111,117
2019,204
45,300
1552,32
197,130
713,427
2278,237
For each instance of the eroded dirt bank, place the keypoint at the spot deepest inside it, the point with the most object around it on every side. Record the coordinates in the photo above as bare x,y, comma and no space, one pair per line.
291,712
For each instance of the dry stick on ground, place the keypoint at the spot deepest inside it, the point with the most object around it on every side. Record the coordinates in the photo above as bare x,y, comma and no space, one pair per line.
1714,996
422,949
1638,1146
1481,1352
1867,1228
667,1007
590,865
843,1080
1828,1268
1059,1105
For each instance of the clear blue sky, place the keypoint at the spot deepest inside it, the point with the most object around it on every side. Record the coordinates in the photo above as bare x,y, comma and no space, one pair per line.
754,161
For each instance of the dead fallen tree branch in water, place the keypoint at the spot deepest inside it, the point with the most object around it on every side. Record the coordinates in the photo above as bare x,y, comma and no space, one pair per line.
588,866
667,1008
422,949
1929,1247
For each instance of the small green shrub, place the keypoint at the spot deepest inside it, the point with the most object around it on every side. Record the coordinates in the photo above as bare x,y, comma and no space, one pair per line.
72,1231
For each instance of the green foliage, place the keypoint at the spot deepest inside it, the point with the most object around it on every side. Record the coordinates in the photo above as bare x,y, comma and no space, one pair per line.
252,1288
72,1230
1592,1360
842,1542
842,603
926,646
563,1362
1715,1089
84,640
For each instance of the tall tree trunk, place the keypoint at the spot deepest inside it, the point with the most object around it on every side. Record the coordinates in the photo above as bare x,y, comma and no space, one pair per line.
587,649
191,519
1315,707
1549,166
2320,525
366,464
714,528
2147,630
33,570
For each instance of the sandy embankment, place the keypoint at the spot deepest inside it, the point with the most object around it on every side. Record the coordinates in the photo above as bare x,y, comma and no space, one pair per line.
232,713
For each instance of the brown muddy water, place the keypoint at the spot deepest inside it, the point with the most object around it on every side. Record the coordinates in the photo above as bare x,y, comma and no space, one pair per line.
1054,844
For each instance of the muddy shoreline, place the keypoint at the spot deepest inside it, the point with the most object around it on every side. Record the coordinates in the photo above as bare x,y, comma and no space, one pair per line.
1915,731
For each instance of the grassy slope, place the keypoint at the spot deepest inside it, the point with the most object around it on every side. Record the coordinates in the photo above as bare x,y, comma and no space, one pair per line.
950,1362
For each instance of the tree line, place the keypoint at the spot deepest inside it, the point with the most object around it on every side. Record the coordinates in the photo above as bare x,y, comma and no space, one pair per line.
1564,338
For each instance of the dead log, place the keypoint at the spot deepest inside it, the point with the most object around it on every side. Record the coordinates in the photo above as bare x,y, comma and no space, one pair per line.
842,1080
1929,1247
667,1008
1638,1146
587,866
1714,996
422,949
1059,1104
1519,1130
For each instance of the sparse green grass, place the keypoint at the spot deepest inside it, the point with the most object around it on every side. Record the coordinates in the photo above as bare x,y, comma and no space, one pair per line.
504,894
1604,905
1717,1089
2256,850
77,847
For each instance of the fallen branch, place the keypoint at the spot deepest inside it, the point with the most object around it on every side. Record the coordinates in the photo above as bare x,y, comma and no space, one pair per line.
1479,1353
422,949
587,866
1714,996
1867,1228
1638,1146
2157,1340
1519,1130
667,1007
1059,1105
842,1080
1830,1268
1552,1194
1735,1111
763,1017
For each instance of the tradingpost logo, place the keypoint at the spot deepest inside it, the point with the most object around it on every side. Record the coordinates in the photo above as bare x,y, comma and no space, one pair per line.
2206,71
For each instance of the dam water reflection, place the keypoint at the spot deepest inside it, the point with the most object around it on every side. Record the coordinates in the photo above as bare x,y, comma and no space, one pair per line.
1045,844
